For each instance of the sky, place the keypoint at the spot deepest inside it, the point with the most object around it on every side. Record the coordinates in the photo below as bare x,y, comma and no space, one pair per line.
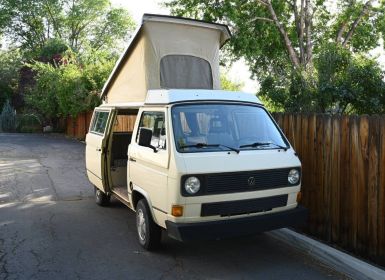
238,72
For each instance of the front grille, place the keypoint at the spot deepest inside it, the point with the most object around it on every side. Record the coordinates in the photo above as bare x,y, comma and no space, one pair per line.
244,181
239,207
240,181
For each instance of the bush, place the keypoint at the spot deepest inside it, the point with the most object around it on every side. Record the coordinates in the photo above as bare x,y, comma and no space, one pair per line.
29,123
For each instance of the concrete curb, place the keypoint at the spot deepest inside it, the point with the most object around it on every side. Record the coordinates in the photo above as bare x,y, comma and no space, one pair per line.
334,258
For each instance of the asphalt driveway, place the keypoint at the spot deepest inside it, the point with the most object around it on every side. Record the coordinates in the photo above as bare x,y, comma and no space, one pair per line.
50,228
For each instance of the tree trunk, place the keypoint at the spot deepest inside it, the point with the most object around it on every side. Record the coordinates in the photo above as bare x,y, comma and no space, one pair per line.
364,12
292,53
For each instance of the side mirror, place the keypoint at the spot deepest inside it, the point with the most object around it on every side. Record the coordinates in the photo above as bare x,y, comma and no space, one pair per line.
144,138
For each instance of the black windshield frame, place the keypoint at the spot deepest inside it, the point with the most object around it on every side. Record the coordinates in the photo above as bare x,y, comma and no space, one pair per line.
221,149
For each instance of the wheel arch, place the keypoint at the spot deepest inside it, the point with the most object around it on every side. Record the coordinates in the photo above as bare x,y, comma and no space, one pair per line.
138,194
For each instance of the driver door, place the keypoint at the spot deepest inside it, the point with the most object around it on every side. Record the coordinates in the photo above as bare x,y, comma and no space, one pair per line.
96,147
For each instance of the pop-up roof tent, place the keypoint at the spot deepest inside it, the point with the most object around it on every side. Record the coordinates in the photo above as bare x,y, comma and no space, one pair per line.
167,53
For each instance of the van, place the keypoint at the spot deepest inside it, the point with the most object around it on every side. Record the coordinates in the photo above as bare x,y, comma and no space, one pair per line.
187,157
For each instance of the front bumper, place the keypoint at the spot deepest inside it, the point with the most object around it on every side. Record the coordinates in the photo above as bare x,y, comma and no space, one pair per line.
236,227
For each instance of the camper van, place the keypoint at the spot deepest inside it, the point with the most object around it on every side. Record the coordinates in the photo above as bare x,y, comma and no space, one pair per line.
190,159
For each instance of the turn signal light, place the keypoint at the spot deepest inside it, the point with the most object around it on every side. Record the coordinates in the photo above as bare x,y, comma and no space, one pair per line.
299,197
177,211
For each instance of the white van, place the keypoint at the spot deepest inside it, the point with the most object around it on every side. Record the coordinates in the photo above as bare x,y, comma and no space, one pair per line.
199,163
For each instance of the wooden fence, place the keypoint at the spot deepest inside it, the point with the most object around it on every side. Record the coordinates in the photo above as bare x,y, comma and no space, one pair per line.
78,127
343,184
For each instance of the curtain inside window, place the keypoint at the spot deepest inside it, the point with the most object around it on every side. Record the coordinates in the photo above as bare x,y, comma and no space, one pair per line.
185,72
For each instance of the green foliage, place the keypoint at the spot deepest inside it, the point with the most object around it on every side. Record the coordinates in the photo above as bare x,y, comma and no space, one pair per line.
294,93
10,63
51,48
364,87
70,48
349,83
28,123
227,84
76,24
69,88
8,117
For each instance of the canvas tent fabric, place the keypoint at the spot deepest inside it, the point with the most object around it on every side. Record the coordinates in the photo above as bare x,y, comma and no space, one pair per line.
167,52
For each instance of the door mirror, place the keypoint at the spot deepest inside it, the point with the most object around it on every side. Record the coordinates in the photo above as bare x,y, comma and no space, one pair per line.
144,138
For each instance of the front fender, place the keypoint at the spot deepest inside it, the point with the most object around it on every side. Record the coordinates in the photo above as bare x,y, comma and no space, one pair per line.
147,197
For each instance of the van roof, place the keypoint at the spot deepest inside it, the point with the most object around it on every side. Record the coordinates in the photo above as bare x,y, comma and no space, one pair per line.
172,96
161,19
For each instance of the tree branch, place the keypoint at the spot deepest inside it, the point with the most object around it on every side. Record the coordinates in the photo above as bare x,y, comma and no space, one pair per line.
263,2
292,53
299,23
54,22
365,10
341,32
308,31
261,18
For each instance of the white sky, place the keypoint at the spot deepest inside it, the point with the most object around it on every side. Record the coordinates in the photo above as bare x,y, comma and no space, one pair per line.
238,72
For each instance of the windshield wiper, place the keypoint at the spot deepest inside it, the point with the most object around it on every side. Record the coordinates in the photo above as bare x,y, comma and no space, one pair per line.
202,145
259,144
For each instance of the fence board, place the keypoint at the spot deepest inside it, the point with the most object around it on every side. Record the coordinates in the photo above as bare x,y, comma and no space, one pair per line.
309,155
326,184
373,180
319,176
362,187
381,196
345,180
335,182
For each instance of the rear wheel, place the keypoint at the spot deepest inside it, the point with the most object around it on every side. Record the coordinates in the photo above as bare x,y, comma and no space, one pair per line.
149,233
101,198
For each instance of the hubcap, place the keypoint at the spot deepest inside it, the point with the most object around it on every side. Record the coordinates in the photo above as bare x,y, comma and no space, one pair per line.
141,224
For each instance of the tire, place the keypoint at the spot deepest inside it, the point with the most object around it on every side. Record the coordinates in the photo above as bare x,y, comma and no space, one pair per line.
101,198
149,233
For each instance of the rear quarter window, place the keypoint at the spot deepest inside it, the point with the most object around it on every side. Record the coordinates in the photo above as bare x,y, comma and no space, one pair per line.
99,122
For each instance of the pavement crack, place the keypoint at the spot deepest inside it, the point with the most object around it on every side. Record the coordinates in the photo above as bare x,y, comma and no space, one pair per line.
52,183
51,227
39,264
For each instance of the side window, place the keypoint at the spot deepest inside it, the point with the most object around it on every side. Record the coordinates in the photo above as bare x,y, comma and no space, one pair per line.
99,122
155,122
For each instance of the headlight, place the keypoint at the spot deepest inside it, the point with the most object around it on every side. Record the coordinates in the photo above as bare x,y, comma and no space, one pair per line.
192,185
293,177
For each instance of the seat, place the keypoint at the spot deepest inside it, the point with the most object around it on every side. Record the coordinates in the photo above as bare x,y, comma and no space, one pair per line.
219,133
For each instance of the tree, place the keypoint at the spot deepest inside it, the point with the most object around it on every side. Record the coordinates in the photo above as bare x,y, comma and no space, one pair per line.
228,84
77,23
69,87
348,82
10,63
280,40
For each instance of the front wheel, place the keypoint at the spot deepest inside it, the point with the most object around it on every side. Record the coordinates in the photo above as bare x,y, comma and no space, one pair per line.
149,233
101,198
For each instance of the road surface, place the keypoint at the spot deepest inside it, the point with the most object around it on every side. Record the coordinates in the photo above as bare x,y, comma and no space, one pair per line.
50,228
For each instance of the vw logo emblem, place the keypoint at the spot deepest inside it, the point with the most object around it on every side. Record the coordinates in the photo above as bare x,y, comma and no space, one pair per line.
251,181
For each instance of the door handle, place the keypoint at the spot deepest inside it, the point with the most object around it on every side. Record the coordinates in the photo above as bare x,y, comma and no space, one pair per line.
132,159
98,149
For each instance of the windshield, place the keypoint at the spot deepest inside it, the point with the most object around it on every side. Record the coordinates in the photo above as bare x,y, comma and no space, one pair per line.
217,127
